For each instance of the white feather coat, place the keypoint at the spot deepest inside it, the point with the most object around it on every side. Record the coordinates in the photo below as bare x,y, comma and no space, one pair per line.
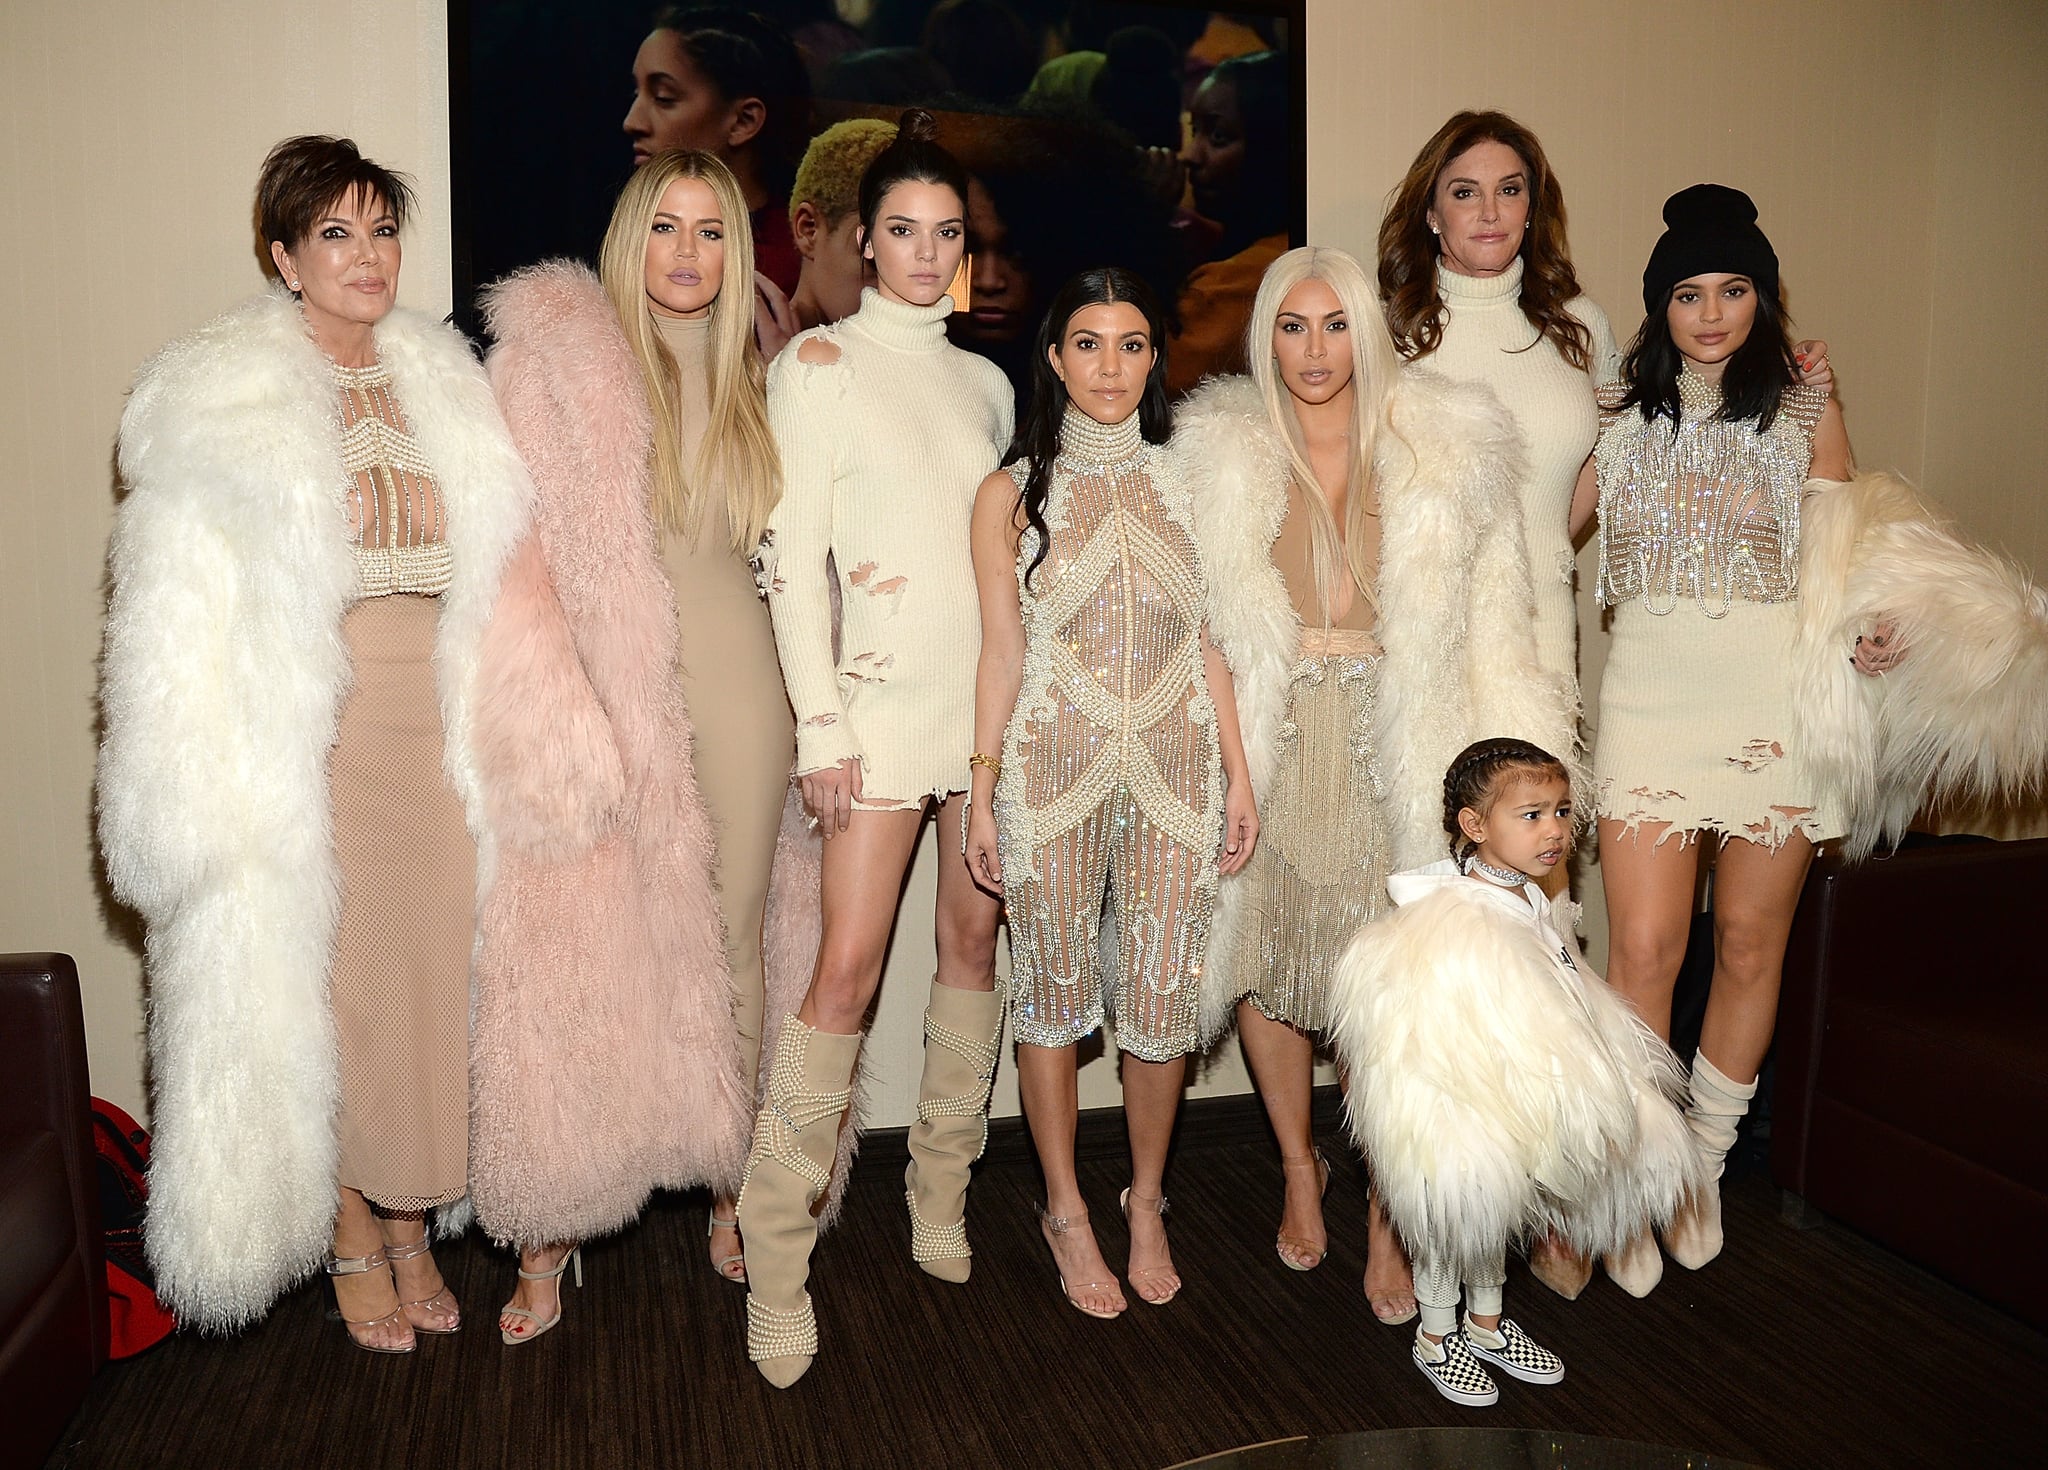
1501,1089
1963,717
1457,610
223,676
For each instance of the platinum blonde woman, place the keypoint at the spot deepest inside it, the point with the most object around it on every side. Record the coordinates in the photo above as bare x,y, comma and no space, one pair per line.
1370,590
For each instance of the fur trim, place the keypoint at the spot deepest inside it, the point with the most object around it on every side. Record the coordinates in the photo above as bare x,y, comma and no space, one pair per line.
594,1085
1963,716
1456,608
223,677
1499,1092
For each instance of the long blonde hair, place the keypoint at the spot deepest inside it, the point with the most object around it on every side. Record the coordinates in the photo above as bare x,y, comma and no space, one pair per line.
737,451
1374,369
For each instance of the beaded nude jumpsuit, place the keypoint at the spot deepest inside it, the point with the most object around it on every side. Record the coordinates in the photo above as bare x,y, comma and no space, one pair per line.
1112,783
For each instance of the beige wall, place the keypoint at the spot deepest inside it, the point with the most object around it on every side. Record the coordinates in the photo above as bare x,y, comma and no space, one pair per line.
1892,146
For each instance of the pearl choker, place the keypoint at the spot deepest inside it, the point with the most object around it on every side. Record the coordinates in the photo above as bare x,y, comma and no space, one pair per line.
1505,877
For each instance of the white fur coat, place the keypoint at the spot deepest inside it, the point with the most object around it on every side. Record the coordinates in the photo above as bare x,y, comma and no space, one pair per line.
1499,1087
1963,717
223,678
1457,611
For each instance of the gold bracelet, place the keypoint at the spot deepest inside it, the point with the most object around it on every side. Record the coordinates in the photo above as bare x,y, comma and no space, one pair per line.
987,762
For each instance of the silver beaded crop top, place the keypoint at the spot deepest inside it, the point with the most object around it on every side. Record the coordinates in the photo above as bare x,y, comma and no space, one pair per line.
396,522
1710,512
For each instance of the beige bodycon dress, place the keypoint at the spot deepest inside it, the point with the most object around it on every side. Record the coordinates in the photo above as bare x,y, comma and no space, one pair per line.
1321,864
399,986
745,736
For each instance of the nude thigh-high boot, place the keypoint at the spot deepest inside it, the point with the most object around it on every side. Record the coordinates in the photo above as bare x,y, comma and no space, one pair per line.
962,1029
1718,1105
796,1137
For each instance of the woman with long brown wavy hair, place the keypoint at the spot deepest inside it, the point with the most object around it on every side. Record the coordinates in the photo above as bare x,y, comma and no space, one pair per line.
1477,279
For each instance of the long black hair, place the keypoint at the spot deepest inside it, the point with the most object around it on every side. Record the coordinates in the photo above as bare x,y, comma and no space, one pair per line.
1752,384
1038,435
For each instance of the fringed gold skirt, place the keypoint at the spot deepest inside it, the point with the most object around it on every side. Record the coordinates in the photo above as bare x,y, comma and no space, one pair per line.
1321,864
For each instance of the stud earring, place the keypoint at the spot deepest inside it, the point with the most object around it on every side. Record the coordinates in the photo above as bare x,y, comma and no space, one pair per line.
1434,230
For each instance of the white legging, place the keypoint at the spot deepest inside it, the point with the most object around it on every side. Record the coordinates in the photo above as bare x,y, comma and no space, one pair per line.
1436,1292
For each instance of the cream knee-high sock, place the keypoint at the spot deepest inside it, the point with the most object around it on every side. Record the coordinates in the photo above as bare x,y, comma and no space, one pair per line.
1718,1107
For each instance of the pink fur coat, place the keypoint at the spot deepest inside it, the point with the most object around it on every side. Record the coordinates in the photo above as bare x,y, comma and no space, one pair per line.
604,1057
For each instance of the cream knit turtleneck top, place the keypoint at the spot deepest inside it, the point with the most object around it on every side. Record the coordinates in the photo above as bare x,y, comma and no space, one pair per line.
1484,336
882,452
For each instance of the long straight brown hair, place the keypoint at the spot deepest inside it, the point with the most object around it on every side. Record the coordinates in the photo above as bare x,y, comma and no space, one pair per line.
1408,249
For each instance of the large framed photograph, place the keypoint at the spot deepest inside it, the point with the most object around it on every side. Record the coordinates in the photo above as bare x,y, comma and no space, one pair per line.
1160,135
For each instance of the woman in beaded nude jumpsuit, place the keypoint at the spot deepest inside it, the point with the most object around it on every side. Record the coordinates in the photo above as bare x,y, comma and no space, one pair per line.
1708,446
1120,768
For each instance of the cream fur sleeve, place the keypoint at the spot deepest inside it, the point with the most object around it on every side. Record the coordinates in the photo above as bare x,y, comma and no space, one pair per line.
167,620
1963,716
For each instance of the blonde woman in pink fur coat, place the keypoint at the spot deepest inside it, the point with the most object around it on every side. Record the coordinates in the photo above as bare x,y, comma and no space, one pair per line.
644,743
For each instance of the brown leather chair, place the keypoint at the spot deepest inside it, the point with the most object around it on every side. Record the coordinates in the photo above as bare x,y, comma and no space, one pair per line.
53,1277
1912,1094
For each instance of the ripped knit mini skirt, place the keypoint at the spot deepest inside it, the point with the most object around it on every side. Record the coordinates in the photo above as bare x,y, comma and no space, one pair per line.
1696,726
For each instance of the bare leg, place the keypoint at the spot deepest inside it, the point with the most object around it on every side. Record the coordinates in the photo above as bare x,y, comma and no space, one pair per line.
368,1298
1649,914
967,916
1389,1281
1151,1103
1756,893
1046,1081
862,881
1282,1061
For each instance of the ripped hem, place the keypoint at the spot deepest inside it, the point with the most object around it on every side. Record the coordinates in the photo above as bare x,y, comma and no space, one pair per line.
1781,825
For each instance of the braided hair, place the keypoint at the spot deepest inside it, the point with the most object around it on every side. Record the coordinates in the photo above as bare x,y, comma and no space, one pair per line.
1474,778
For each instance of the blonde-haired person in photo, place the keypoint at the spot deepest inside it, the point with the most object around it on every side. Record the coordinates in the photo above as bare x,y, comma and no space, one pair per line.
622,979
1350,512
824,216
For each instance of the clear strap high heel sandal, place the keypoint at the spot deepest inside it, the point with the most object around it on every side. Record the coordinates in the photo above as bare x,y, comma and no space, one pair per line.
1056,1225
1295,1252
513,1339
360,1266
441,1302
1152,1276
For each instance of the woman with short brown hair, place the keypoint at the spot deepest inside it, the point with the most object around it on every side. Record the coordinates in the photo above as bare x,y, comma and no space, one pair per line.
321,500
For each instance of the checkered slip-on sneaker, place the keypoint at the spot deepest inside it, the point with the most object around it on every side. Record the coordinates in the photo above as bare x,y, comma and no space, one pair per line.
1455,1372
1514,1352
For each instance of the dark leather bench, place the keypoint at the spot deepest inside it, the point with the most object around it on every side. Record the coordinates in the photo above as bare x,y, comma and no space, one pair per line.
1912,1092
53,1279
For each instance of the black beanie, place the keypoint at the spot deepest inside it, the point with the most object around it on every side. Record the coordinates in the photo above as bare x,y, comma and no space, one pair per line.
1709,228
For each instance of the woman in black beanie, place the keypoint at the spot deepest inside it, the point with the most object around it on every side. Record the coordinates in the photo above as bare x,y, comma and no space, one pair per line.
1708,445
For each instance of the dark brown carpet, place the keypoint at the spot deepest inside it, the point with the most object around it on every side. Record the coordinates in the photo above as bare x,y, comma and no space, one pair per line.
1795,1349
